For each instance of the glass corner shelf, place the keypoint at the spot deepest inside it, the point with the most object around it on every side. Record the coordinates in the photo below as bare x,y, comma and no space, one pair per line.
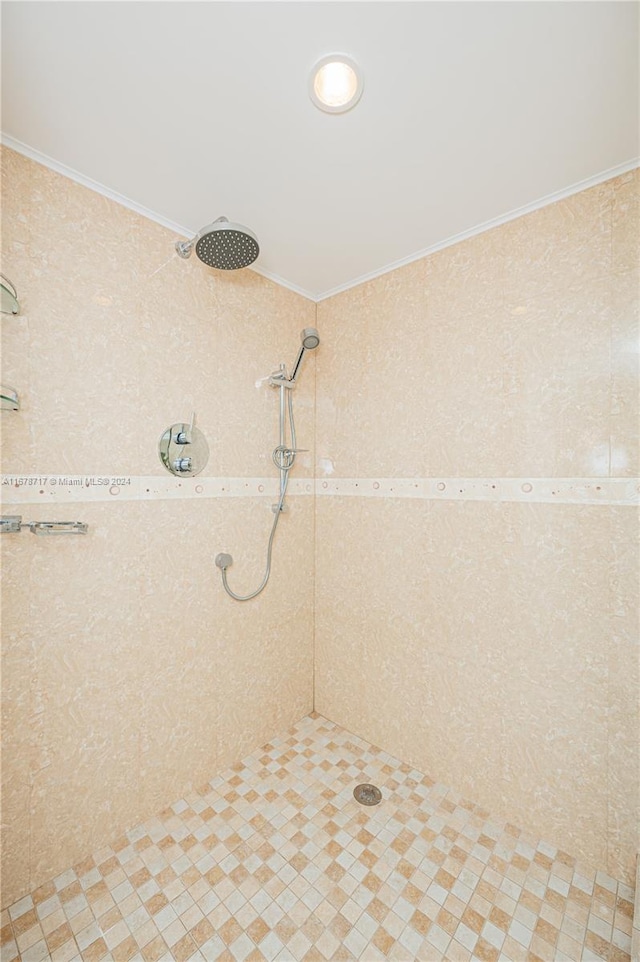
10,400
9,303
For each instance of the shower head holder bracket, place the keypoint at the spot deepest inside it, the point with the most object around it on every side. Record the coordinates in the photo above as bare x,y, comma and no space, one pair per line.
280,379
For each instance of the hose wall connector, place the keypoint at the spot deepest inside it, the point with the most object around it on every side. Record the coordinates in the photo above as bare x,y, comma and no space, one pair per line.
224,561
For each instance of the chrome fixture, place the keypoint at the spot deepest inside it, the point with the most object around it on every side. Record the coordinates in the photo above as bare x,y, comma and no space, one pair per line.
183,449
9,302
10,523
284,455
9,400
310,340
13,523
225,246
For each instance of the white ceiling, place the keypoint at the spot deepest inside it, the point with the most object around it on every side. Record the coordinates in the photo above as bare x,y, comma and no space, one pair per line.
194,109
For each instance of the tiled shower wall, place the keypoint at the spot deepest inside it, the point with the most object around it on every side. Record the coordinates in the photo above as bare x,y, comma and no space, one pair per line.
492,642
128,675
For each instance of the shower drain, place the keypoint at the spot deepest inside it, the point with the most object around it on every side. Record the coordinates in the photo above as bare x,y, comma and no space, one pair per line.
367,794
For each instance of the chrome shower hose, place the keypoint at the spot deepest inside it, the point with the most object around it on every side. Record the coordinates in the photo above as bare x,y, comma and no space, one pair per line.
284,479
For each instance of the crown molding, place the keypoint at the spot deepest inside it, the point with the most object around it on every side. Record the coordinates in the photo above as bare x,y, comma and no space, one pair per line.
113,195
316,298
486,225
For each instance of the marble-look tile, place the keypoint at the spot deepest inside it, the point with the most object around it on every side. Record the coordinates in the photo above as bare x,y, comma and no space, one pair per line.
465,422
635,934
81,236
372,370
410,668
16,710
16,835
15,362
623,773
493,645
559,246
455,384
625,375
554,754
213,356
83,393
558,382
467,277
556,595
524,342
86,681
17,442
161,342
625,219
415,364
126,667
17,177
490,670
208,693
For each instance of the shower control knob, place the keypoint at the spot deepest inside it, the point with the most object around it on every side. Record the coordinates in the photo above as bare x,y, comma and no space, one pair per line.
183,449
185,431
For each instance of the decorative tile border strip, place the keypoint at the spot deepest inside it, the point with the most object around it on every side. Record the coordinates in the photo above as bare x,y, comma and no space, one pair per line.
608,491
69,489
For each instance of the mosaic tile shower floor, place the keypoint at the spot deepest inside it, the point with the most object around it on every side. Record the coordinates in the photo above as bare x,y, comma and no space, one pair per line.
275,860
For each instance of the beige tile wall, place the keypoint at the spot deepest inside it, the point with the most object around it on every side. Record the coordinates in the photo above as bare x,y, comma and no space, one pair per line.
493,645
128,675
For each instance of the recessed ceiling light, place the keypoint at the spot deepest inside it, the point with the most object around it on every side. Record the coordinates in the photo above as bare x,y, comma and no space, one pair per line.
336,83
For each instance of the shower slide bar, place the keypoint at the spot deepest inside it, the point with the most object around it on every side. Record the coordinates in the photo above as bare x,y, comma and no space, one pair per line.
284,456
13,523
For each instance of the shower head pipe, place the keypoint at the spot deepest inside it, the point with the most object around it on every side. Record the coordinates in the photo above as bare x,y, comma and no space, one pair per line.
310,340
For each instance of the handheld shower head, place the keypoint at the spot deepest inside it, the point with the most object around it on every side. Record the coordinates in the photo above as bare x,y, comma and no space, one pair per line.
310,340
225,246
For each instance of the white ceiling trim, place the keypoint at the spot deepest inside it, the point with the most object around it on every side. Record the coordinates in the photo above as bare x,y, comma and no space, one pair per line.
75,175
488,225
79,178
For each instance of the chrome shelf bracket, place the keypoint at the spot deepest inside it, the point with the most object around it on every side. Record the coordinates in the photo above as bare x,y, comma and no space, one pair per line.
13,523
10,524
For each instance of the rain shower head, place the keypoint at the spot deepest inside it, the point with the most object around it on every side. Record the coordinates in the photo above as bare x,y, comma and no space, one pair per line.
225,246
